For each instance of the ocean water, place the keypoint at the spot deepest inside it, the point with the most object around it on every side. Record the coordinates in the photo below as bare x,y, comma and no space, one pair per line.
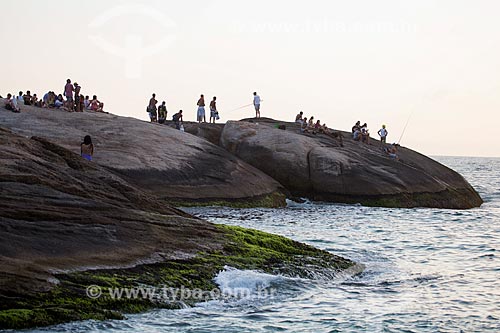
426,270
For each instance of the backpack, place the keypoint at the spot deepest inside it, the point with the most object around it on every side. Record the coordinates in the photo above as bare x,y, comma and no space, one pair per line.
175,117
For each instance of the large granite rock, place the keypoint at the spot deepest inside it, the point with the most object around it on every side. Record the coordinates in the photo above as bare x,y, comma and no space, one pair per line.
60,212
156,158
318,167
67,225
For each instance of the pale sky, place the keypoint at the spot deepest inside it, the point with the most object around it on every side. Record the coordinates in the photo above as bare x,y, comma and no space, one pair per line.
340,61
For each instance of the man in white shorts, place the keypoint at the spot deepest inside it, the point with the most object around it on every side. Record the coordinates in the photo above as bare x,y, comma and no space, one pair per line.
201,110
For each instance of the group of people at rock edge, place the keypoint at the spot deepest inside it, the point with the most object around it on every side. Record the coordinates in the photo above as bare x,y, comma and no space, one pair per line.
158,114
70,100
310,126
361,133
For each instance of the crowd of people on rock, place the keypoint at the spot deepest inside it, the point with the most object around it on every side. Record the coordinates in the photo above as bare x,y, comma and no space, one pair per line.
73,101
310,126
70,100
361,133
158,114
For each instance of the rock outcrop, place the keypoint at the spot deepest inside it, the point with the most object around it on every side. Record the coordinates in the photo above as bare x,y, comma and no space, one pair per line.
67,224
60,212
318,167
158,159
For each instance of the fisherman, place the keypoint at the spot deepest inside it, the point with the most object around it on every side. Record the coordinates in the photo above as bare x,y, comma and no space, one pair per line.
256,104
383,134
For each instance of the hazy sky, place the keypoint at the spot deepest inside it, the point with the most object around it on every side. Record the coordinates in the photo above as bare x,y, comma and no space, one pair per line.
341,61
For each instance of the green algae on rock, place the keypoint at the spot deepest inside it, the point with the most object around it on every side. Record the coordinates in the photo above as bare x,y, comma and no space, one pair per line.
243,249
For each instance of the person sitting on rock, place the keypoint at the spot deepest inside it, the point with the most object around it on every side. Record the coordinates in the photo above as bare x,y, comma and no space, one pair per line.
304,126
20,98
317,126
356,127
11,104
27,98
87,148
86,102
365,134
392,151
51,99
162,113
331,133
356,133
35,101
177,119
298,118
310,123
95,105
59,102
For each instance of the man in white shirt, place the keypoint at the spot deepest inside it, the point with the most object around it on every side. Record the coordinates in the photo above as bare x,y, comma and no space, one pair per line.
256,104
383,134
20,98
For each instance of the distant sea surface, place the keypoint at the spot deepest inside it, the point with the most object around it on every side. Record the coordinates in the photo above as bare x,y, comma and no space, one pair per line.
427,270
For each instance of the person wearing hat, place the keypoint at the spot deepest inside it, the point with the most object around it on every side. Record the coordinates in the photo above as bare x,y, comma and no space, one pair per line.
77,98
383,134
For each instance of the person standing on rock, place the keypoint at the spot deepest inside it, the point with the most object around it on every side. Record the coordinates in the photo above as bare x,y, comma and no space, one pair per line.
77,98
152,108
162,113
87,148
383,134
68,92
200,114
256,104
213,109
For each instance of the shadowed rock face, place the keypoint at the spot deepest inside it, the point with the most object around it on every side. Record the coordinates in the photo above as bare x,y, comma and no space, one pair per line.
156,158
67,223
315,166
60,212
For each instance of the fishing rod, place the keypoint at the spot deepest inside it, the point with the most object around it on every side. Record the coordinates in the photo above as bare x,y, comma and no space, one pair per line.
242,107
406,125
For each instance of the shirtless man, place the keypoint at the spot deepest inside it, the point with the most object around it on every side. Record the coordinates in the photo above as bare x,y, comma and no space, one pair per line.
213,109
200,114
152,108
